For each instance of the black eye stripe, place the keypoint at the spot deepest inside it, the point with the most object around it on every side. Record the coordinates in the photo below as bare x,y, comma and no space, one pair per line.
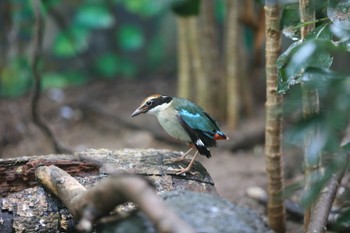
158,101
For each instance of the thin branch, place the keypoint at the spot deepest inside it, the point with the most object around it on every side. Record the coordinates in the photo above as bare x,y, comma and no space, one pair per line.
37,43
323,205
88,206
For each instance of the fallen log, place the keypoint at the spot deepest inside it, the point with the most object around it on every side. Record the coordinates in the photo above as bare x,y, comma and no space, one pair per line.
26,207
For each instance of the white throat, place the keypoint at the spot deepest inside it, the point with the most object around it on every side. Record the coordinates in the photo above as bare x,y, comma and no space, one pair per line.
156,110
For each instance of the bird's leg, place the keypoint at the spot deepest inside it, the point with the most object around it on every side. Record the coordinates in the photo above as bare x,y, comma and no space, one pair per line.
188,168
179,159
183,156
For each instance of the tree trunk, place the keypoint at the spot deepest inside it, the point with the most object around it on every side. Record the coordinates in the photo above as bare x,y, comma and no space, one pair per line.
184,88
212,61
232,66
200,77
273,130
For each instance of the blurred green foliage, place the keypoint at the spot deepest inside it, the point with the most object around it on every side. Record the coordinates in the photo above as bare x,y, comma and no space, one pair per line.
15,78
93,16
130,37
91,39
70,42
309,62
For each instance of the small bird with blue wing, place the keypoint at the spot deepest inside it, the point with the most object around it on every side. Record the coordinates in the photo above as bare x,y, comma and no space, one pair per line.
185,121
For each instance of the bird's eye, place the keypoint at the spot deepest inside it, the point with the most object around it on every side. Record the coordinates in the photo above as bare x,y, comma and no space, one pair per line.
149,102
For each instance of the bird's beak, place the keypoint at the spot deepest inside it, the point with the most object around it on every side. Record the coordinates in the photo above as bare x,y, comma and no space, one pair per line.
141,109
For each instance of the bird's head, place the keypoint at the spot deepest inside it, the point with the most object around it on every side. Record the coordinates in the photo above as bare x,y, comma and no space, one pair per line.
153,104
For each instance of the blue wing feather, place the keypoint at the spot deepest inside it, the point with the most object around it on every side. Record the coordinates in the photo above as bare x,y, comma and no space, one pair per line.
196,118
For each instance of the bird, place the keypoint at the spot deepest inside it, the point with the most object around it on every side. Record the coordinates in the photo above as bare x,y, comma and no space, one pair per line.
184,121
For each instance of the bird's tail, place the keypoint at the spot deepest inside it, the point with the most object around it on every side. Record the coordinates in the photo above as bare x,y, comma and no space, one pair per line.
220,136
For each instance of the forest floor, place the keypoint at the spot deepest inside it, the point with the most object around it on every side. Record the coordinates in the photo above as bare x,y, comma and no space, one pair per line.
97,115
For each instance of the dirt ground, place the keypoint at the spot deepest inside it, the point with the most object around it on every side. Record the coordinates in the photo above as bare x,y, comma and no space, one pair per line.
98,116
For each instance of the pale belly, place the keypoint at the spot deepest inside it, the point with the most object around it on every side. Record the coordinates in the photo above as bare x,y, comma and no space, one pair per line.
172,126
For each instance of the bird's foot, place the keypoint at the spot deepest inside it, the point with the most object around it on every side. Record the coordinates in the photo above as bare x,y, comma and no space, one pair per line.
188,168
182,170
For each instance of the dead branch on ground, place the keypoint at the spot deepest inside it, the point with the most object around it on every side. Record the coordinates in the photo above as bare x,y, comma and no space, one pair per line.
88,206
37,43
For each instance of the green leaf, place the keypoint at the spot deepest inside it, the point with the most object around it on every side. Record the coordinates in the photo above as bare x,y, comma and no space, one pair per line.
290,15
284,81
309,54
319,77
130,37
321,32
289,20
70,42
94,16
300,56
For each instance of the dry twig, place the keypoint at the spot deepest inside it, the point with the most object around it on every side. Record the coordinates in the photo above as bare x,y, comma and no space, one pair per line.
88,206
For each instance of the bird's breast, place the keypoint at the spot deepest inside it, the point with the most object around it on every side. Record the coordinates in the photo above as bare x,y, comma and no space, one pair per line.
172,126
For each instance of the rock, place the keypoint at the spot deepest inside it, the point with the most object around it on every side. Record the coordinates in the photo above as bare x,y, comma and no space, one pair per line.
204,212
